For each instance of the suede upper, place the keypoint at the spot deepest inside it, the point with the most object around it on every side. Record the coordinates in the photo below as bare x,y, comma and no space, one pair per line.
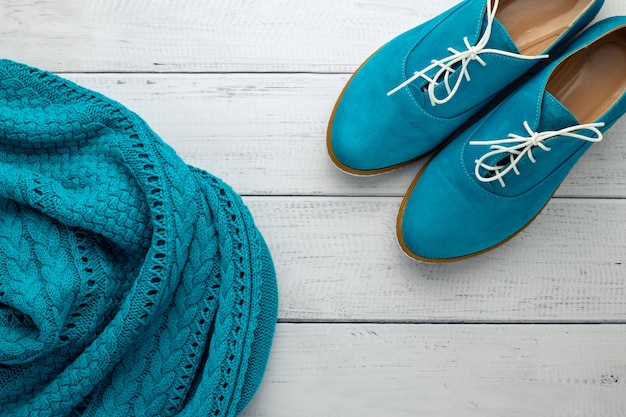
450,213
371,131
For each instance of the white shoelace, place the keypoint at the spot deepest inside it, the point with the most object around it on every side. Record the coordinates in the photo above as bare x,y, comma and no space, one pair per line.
517,146
447,65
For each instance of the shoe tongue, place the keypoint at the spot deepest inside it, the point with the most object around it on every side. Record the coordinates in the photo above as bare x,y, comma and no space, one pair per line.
553,116
500,38
468,21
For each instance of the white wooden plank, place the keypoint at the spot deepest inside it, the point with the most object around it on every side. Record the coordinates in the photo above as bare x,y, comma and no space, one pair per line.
337,259
452,371
265,134
196,35
217,35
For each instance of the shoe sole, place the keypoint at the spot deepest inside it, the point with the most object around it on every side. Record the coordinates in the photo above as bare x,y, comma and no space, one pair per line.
419,258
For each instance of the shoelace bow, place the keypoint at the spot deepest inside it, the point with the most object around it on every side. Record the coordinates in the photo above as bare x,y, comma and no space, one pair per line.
447,65
522,146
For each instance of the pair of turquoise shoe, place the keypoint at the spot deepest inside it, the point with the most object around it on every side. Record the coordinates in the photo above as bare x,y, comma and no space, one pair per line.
495,173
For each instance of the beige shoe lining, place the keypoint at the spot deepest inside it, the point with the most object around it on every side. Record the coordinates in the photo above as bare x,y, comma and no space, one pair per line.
534,25
589,82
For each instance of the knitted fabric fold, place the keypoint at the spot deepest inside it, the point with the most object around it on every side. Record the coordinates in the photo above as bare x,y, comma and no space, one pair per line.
131,284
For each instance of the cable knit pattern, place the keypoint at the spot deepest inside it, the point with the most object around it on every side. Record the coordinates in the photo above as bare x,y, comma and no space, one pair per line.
131,284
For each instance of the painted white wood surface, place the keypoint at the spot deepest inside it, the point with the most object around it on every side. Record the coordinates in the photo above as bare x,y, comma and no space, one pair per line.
265,133
244,88
444,371
209,35
199,35
338,260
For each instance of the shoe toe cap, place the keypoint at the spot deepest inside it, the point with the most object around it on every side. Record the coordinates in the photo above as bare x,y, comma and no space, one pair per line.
438,223
426,234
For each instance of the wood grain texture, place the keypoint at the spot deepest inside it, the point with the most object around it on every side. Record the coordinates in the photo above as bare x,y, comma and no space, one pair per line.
337,259
265,133
196,35
451,371
244,89
208,36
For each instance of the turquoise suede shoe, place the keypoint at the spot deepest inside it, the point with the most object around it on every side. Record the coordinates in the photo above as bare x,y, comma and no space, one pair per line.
415,91
494,178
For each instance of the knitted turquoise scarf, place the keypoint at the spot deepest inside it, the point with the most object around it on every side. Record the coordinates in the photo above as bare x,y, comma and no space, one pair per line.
131,284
